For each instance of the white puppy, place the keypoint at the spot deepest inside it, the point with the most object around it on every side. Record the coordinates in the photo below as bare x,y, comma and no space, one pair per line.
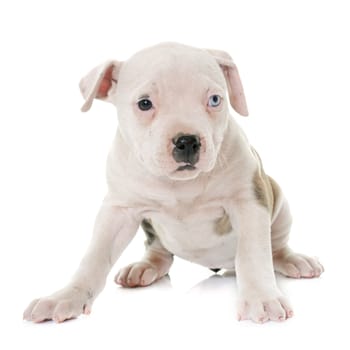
182,168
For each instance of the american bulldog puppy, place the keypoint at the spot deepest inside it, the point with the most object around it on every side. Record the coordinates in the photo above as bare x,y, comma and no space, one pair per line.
183,169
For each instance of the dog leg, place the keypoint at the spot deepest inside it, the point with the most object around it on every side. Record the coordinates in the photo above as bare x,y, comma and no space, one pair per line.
114,229
286,261
259,297
154,265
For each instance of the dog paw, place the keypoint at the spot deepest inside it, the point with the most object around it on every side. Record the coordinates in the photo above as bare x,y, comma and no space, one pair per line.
139,274
63,305
264,308
297,265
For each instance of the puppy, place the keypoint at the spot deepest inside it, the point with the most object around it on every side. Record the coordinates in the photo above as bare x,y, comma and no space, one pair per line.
183,169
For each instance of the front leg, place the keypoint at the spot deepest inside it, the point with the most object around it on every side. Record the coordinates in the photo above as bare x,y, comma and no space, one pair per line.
259,297
114,229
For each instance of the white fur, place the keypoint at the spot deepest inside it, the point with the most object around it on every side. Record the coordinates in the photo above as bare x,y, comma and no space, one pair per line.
183,206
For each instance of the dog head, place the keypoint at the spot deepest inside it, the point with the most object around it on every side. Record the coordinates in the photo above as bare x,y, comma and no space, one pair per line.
172,105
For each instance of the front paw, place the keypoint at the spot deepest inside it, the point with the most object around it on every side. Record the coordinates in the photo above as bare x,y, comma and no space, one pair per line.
263,307
63,305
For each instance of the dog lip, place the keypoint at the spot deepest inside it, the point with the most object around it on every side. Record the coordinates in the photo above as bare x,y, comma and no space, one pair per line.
186,167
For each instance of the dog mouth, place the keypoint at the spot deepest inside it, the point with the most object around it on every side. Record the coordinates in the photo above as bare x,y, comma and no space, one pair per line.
186,171
186,167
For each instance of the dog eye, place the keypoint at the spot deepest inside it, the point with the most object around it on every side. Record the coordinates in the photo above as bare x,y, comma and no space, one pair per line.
214,101
145,104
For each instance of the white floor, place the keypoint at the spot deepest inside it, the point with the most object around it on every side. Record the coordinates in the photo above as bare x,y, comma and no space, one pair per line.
192,309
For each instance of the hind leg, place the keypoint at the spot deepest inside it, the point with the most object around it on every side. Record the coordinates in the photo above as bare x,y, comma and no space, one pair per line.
153,266
285,260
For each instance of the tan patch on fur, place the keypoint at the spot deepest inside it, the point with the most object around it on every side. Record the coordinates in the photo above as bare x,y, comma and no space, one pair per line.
150,232
223,225
265,188
275,190
259,189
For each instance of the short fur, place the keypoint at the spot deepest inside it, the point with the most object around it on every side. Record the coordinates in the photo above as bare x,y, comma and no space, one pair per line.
223,212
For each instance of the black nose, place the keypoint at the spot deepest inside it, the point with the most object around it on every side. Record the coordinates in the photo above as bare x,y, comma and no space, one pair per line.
186,149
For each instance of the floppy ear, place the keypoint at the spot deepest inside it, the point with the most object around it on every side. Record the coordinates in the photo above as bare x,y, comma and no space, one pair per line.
233,81
98,83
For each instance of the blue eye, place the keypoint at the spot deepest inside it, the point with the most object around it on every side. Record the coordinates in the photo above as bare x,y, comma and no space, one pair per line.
214,101
145,104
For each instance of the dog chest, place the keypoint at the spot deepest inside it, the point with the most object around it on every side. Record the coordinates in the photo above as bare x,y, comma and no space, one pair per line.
201,234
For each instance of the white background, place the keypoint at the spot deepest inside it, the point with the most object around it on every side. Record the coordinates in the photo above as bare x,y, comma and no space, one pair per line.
294,60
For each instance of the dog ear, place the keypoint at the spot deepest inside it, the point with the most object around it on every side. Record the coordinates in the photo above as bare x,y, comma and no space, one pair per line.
98,83
233,81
